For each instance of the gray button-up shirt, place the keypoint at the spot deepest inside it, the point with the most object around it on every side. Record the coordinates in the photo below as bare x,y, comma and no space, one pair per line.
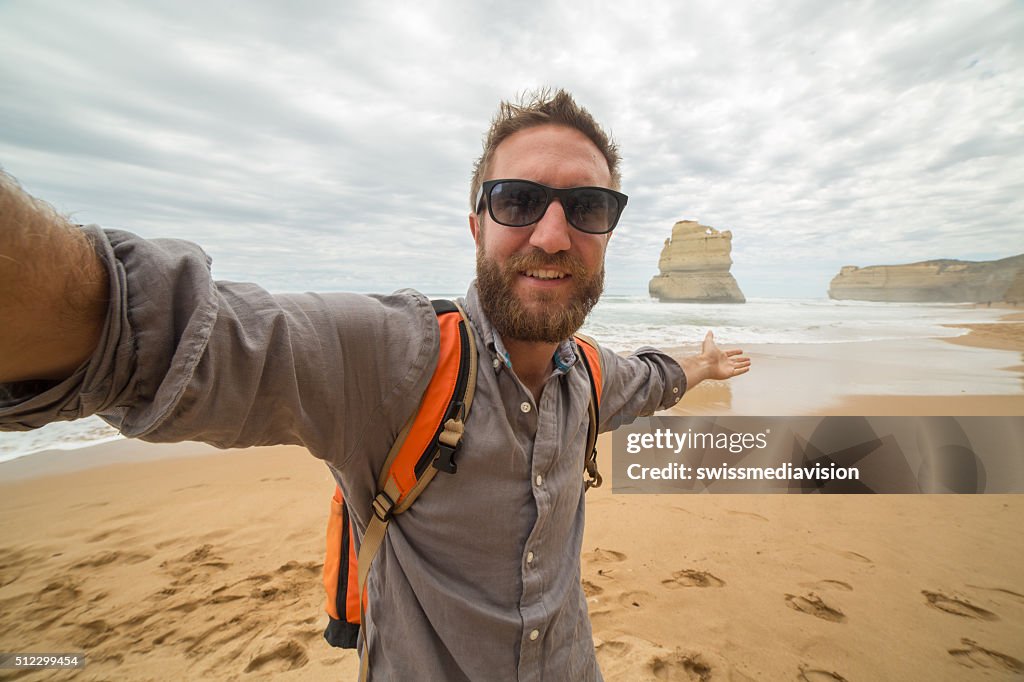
480,578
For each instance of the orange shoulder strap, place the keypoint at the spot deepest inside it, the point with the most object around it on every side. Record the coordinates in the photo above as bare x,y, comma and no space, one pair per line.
428,441
426,444
591,356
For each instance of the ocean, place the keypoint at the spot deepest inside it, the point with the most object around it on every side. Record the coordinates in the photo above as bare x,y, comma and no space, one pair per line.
626,322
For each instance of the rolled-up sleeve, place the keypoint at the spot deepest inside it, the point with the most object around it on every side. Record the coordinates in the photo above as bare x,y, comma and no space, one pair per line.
184,357
638,385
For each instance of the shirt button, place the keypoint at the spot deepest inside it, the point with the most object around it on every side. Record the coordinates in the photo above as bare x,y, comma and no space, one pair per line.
529,557
534,634
674,390
540,479
496,363
525,407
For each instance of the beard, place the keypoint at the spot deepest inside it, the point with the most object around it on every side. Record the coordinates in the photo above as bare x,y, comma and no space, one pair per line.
546,320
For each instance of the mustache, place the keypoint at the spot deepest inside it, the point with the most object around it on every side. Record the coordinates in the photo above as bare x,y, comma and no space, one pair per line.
539,260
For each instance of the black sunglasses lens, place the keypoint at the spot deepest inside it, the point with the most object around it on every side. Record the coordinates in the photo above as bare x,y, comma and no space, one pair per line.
516,204
592,210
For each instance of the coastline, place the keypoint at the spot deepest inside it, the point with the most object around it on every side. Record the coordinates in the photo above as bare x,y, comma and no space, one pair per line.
183,561
979,373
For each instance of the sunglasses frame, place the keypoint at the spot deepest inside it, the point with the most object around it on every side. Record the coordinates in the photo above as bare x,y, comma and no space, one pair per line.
551,193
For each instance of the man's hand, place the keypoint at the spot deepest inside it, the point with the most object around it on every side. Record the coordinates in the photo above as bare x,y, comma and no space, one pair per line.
714,363
723,364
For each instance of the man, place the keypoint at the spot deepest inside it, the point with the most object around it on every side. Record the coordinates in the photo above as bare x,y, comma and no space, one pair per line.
481,579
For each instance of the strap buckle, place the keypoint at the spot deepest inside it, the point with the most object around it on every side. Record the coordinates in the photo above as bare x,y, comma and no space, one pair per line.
595,479
383,507
448,444
444,460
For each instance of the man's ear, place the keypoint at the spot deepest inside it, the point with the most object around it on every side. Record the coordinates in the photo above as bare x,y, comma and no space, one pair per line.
474,227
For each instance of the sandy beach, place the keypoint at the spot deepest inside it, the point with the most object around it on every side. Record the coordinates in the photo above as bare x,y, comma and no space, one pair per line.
158,565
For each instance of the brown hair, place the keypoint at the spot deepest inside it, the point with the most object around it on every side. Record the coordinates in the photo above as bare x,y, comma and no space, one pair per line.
542,107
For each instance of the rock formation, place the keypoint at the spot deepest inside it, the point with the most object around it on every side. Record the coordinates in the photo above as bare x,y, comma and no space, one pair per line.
933,281
695,266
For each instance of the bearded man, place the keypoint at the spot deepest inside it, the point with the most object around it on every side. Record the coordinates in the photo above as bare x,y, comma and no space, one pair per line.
482,581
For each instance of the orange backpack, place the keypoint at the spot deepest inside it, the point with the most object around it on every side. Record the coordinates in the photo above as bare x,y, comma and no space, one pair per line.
426,444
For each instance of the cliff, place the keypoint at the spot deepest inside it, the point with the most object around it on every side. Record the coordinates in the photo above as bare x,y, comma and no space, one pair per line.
934,281
694,266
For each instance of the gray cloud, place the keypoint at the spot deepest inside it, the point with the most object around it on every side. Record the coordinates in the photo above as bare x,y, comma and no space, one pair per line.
329,145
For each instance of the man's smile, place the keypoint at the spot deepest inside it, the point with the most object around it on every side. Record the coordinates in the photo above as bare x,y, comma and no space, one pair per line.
545,274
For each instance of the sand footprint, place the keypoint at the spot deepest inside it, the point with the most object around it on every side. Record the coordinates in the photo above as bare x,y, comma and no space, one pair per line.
818,675
591,590
974,656
190,487
287,655
748,514
635,598
612,647
829,585
1002,590
680,667
689,577
854,556
120,530
958,607
846,554
632,658
187,568
46,606
813,605
105,558
88,505
59,594
604,556
91,634
311,567
14,563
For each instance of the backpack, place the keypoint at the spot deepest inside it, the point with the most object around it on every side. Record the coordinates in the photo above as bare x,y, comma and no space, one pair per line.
426,445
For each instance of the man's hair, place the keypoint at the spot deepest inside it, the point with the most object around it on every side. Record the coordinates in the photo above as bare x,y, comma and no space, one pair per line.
536,108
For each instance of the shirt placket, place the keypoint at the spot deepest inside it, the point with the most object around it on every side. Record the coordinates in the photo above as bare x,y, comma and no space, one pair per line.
535,562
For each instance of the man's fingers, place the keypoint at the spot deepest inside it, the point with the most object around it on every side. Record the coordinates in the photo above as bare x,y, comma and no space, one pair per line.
733,351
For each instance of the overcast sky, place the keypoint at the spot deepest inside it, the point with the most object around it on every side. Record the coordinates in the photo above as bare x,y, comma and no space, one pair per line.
328,145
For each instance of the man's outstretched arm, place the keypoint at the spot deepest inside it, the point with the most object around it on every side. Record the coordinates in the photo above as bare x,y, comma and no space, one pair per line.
53,290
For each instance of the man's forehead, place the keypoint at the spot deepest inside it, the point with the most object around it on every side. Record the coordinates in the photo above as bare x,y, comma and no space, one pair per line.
552,154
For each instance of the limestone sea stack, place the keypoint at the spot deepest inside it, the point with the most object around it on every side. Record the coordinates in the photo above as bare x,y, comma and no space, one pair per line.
694,266
933,281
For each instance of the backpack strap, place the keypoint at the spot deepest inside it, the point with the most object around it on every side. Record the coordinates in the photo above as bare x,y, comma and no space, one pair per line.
439,422
340,577
594,366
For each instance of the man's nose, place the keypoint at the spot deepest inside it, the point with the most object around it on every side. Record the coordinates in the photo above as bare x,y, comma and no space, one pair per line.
551,232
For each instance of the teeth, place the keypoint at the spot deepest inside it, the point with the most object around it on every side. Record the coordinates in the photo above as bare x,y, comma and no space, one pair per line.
545,274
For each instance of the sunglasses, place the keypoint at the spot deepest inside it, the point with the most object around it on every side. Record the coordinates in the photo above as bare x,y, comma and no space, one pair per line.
518,203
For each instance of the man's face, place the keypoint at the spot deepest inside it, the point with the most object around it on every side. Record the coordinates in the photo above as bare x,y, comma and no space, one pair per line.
537,283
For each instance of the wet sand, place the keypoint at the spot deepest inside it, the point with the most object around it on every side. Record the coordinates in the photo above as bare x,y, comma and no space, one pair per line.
980,373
